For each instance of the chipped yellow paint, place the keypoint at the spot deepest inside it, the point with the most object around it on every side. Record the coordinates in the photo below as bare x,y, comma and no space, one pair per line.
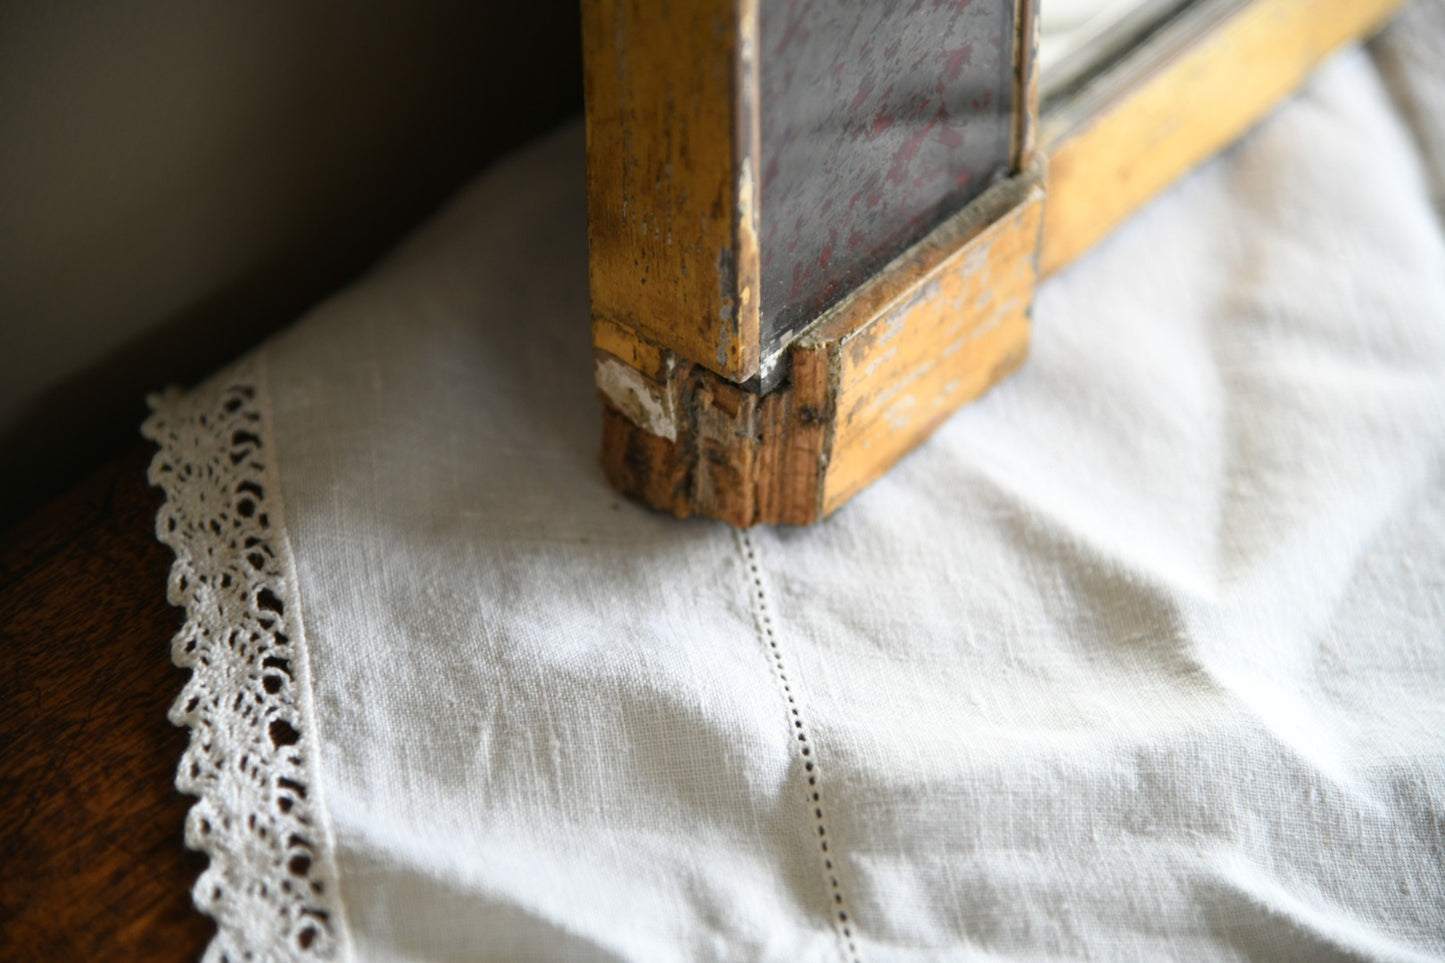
893,384
625,345
672,214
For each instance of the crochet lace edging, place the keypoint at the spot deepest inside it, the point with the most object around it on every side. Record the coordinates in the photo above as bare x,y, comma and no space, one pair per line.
252,757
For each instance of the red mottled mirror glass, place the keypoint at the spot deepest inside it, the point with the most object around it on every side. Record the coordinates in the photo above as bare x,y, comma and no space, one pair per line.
878,120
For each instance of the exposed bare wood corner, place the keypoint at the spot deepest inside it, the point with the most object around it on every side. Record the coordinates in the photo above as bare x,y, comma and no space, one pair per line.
867,382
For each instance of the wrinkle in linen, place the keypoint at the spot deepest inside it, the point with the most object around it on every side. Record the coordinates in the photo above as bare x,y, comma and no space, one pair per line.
1140,656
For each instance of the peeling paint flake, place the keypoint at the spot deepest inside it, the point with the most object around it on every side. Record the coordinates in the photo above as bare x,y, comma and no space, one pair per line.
645,403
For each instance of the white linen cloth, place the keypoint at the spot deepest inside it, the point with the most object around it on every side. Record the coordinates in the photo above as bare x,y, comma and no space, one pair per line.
1142,656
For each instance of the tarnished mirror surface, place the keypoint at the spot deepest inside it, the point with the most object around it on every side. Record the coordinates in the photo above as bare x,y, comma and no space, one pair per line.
1078,38
877,120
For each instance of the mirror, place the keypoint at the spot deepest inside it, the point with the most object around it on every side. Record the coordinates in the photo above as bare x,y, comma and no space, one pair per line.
878,120
1078,38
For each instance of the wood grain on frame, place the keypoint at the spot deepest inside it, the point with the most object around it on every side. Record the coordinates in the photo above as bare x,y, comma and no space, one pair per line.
671,175
937,335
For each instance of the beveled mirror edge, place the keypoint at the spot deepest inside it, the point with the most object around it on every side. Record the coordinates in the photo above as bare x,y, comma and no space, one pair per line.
1190,90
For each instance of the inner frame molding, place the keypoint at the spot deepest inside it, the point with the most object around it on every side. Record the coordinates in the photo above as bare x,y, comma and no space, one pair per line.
700,416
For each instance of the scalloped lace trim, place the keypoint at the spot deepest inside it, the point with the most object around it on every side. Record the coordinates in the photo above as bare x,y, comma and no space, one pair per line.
252,758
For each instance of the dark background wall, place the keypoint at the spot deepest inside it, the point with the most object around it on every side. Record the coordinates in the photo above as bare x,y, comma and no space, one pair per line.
179,179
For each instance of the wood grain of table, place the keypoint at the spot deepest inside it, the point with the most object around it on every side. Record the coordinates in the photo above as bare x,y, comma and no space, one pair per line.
92,862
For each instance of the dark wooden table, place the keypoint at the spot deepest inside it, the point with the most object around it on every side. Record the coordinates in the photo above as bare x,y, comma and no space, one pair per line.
92,863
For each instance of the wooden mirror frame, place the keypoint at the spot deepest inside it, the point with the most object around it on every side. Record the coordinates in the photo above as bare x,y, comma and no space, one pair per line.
692,421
